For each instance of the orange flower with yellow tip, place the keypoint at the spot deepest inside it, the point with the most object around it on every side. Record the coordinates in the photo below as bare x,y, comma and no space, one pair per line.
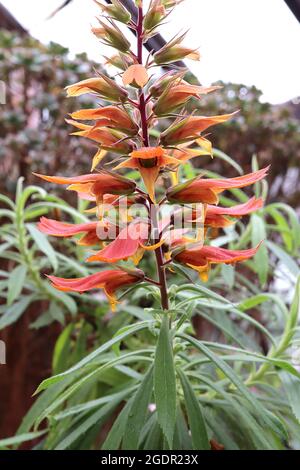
201,258
135,75
183,154
109,281
206,190
149,161
175,96
108,138
190,128
130,244
217,217
95,185
109,116
102,86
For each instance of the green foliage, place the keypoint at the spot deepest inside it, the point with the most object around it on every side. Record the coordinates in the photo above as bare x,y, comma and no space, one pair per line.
224,388
28,254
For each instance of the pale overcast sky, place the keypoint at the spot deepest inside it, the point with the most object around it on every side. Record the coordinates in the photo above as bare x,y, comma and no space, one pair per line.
255,42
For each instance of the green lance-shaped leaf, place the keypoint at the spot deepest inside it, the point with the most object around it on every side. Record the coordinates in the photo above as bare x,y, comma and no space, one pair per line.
138,412
291,385
93,355
115,436
165,382
15,311
261,258
269,420
41,241
196,421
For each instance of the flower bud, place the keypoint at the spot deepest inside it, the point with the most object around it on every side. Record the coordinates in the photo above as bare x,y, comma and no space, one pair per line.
171,3
166,81
116,11
176,96
173,51
112,36
120,61
155,15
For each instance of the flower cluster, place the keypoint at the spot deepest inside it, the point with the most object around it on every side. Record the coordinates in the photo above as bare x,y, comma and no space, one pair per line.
124,125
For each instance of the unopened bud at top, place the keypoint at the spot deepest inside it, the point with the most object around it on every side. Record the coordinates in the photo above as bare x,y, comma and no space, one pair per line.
112,36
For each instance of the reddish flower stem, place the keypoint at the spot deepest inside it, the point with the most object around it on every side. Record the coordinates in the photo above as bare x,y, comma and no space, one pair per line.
153,208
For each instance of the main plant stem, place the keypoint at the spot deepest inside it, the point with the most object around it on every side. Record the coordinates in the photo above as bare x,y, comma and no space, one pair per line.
153,207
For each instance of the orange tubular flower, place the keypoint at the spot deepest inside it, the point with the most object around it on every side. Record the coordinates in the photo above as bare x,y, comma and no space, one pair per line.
63,229
95,184
110,116
102,86
200,259
190,128
176,96
129,244
136,75
207,190
216,217
149,161
110,281
110,139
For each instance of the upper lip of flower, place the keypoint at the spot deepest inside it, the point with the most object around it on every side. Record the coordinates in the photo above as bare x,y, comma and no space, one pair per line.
63,229
136,74
200,258
126,245
215,255
149,161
